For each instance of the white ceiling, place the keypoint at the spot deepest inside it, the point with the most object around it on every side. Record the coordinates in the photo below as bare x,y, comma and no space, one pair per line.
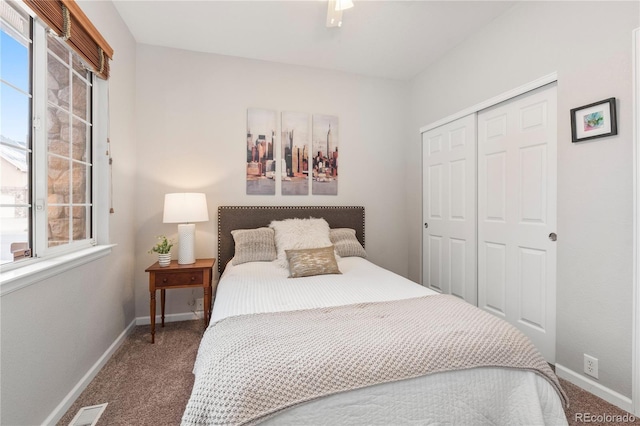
391,39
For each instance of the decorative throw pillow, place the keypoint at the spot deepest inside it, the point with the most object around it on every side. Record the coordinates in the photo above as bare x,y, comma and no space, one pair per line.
314,261
346,243
293,234
254,245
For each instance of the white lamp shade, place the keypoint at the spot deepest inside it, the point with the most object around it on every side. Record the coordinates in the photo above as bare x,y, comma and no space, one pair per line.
185,207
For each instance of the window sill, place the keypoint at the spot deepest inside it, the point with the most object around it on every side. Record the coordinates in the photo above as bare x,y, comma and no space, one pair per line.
18,278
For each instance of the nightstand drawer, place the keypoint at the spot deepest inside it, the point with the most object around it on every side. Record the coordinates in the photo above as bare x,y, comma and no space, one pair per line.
178,278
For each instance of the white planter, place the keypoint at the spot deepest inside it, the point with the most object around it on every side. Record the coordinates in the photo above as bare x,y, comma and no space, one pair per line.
164,259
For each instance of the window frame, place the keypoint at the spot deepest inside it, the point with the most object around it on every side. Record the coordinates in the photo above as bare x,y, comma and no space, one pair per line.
53,260
40,152
25,38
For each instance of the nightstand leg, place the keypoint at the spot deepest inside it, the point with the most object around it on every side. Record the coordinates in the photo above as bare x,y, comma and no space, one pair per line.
207,305
152,315
162,303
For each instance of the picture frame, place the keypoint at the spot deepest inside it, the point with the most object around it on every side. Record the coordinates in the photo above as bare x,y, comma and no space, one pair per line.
295,137
325,144
595,120
261,144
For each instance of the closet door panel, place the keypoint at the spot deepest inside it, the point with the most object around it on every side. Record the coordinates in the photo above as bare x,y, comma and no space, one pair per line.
449,209
494,267
517,214
457,270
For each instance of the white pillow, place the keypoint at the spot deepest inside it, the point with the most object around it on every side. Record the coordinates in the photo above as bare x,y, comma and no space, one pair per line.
293,234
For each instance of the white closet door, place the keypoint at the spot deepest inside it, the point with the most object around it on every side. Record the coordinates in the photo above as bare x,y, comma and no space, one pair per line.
449,209
517,214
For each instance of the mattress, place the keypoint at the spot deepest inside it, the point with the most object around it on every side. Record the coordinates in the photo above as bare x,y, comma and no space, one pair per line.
257,287
475,396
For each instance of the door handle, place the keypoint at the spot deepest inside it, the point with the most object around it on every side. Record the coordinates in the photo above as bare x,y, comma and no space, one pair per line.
426,225
553,236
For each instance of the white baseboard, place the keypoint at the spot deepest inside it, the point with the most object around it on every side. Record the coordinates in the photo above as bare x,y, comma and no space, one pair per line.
184,316
595,388
68,400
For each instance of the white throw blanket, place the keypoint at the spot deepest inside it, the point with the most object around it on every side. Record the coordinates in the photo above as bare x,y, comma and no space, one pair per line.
250,367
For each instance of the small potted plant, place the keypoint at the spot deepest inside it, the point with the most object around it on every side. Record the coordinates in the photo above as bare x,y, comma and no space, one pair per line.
163,248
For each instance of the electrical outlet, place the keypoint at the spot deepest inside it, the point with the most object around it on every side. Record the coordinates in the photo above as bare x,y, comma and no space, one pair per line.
200,306
591,366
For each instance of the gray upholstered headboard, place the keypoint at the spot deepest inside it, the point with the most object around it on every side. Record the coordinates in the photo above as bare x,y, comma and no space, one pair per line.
249,217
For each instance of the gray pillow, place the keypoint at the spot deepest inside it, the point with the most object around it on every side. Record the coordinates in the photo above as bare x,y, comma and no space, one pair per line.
314,261
254,245
346,243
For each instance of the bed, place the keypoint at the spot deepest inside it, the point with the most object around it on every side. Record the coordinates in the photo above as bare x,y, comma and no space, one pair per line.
360,345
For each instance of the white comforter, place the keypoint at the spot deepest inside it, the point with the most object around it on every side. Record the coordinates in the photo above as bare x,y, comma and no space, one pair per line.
470,397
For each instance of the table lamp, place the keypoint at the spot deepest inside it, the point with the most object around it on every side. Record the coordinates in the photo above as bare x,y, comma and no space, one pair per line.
185,208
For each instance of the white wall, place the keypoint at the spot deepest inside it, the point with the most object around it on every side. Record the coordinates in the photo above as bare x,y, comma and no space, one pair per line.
55,330
589,45
191,110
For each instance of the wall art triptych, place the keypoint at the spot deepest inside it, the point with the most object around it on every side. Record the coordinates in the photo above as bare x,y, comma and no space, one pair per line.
308,153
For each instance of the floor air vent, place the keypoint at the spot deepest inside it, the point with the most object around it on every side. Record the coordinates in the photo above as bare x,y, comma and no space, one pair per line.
88,416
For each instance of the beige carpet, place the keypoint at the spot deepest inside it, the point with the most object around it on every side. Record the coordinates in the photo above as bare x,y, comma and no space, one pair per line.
147,384
582,403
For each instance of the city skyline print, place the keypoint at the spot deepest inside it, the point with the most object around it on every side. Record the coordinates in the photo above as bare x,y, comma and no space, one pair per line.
325,155
295,153
261,140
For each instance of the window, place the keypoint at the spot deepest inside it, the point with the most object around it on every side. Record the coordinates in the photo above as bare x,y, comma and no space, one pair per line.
46,142
68,146
15,134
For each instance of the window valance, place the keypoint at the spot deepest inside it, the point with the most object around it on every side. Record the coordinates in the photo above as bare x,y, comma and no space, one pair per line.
69,21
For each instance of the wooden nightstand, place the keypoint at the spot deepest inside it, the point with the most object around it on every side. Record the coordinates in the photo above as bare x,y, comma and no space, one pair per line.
197,274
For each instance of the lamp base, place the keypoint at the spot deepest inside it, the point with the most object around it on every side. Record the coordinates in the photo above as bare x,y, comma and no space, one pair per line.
186,243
